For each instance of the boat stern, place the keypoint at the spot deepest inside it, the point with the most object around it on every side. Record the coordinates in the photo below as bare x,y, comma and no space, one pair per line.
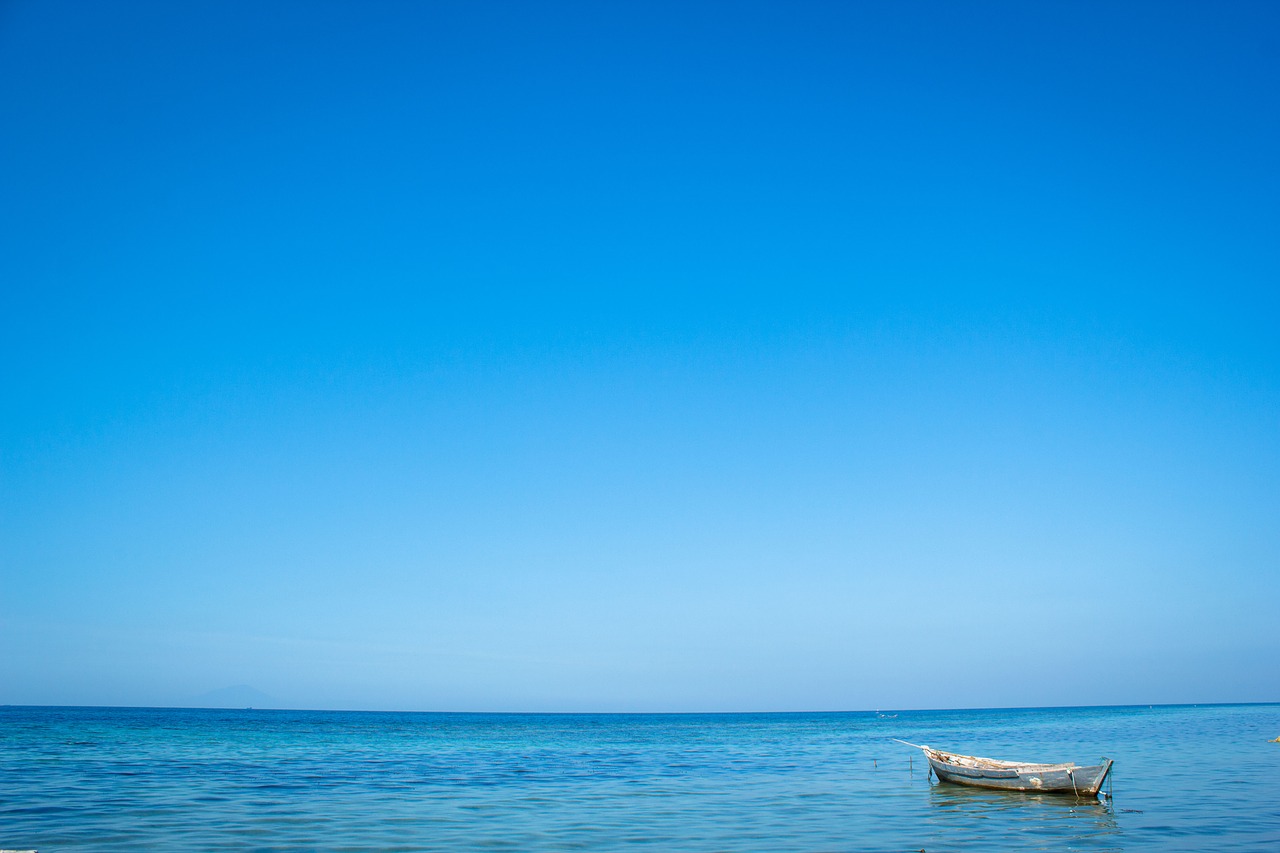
1103,771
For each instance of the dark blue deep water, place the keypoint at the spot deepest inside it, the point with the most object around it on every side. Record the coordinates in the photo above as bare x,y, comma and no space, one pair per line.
116,779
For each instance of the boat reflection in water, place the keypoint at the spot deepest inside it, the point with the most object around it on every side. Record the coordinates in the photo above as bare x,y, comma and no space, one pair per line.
973,818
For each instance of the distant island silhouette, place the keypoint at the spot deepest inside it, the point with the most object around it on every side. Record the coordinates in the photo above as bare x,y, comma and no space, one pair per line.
237,696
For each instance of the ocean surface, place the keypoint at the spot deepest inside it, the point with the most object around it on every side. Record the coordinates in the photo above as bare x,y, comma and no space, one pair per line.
120,779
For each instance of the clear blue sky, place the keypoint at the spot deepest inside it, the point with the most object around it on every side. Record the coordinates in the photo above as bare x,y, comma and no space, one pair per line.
554,356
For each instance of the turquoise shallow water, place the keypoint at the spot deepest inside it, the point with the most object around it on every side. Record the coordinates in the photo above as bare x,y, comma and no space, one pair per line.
114,779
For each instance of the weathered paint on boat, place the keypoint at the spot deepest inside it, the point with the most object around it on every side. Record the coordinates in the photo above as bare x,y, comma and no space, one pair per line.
1017,775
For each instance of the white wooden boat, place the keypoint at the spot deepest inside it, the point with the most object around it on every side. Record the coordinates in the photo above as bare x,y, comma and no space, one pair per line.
1015,775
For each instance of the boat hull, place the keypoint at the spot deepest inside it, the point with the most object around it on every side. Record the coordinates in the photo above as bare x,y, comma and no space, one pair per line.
1055,779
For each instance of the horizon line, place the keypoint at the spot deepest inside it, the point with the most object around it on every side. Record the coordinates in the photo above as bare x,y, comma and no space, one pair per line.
1148,705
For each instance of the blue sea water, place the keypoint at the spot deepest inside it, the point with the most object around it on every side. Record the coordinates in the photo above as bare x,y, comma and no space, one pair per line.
120,779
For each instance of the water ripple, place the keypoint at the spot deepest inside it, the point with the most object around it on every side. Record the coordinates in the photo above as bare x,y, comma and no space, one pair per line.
125,779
